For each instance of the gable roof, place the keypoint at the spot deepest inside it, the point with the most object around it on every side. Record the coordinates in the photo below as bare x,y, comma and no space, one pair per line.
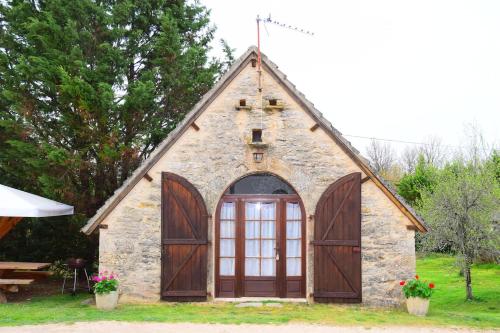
207,99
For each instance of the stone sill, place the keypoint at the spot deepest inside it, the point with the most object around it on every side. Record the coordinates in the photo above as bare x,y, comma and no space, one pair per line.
246,107
274,107
258,145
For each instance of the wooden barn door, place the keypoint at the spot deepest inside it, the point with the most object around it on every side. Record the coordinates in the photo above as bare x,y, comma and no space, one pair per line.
337,242
184,241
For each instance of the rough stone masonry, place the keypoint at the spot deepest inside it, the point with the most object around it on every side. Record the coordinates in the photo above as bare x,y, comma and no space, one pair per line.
217,154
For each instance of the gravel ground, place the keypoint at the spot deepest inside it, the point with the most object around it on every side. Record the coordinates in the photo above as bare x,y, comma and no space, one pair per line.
111,327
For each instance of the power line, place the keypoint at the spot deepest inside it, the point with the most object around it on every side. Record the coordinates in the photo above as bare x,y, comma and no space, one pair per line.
398,141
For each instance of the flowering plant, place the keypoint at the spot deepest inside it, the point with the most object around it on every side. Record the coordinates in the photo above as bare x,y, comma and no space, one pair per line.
105,283
417,288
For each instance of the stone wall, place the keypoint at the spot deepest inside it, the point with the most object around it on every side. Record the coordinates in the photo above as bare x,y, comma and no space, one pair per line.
218,154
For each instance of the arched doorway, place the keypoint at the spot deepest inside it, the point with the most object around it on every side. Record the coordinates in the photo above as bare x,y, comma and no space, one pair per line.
260,239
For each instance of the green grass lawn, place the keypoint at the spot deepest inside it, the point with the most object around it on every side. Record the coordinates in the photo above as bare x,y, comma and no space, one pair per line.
448,306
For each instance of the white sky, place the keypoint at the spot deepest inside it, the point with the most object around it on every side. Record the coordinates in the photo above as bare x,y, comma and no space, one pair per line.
405,70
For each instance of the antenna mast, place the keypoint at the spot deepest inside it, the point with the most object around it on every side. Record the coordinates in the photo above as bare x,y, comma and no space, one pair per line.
283,25
259,57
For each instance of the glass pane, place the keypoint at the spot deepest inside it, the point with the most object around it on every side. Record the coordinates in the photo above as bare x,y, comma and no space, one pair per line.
227,266
293,248
293,267
268,211
227,211
268,267
252,267
269,229
293,229
252,248
252,230
252,210
227,247
260,184
268,248
227,229
293,211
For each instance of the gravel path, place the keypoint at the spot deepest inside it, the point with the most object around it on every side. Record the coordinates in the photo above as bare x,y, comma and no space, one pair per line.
111,327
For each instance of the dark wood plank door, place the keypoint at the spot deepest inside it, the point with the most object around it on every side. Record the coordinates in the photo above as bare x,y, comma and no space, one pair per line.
337,242
184,241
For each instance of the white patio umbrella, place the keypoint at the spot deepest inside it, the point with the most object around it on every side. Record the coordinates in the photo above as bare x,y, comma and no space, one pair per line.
16,204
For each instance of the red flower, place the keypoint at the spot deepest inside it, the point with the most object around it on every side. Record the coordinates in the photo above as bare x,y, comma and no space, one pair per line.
416,277
402,283
431,285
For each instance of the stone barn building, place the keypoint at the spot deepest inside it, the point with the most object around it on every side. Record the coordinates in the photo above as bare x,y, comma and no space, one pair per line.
255,194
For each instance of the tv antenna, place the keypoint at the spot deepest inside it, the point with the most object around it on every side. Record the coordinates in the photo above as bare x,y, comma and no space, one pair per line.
280,24
259,58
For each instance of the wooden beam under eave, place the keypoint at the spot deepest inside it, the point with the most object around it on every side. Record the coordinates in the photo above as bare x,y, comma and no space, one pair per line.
315,127
196,127
148,177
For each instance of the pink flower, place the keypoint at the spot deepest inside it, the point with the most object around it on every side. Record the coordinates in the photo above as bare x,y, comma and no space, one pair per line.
96,278
111,277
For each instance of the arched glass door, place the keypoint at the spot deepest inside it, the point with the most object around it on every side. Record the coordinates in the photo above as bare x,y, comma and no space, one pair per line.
260,239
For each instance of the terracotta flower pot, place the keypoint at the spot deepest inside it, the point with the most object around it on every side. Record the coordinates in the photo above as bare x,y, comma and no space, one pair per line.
107,301
417,306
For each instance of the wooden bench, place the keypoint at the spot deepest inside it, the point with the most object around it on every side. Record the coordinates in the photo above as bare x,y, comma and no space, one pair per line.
11,285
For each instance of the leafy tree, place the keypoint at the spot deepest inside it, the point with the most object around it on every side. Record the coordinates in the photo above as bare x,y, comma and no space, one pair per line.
495,164
89,88
423,178
459,210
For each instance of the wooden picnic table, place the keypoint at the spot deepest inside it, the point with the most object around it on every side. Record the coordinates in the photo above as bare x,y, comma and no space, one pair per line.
12,265
13,274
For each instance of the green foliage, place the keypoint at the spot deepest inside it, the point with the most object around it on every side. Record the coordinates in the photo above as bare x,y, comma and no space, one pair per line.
60,270
447,307
47,239
459,210
423,178
417,288
495,164
88,89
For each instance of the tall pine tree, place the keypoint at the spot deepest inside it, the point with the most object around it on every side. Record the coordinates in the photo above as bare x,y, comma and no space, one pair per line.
89,88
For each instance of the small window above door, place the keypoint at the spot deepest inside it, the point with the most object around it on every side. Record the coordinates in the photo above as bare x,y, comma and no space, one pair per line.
263,183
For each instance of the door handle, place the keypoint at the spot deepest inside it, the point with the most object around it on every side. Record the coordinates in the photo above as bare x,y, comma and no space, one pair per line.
277,253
